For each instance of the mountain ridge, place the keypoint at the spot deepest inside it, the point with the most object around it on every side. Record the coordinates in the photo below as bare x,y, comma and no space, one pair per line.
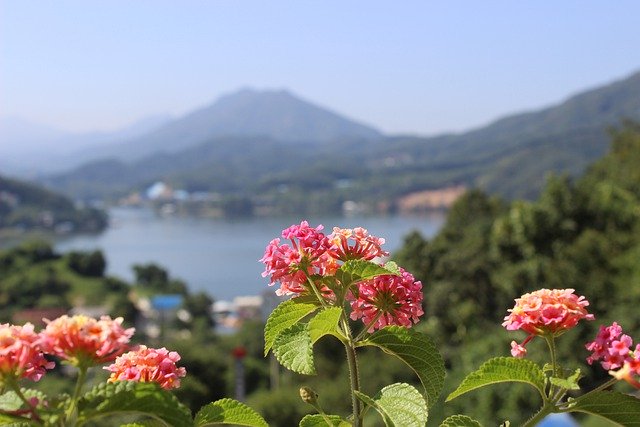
510,156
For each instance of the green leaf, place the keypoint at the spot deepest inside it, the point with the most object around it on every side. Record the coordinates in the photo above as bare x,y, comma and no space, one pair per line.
357,270
283,317
294,350
228,411
325,323
399,405
620,408
570,383
392,267
145,423
502,369
418,351
129,397
15,421
10,401
460,421
317,420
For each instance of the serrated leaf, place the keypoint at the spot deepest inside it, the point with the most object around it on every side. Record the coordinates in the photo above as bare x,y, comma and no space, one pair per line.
129,397
460,421
399,405
357,270
283,317
228,411
620,408
502,369
325,323
10,401
317,420
294,350
418,351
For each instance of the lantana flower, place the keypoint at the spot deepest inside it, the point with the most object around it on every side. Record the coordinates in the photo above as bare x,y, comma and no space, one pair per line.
388,300
290,264
356,243
148,365
84,341
20,353
615,352
545,312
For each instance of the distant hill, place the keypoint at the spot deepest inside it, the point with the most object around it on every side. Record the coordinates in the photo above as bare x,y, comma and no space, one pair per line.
30,149
278,115
25,206
510,157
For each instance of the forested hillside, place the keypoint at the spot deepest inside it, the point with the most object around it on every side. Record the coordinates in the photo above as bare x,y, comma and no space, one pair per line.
582,234
26,206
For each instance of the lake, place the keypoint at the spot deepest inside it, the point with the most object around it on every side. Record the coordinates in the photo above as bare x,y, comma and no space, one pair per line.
215,255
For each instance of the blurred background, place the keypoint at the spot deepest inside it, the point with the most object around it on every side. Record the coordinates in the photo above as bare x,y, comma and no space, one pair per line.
150,150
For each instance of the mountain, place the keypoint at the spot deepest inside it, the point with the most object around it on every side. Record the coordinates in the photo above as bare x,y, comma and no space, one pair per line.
510,156
247,113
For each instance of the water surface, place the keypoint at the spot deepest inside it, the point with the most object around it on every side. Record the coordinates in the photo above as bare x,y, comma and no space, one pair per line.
219,256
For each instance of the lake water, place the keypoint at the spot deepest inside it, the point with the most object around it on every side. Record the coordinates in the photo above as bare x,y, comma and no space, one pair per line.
219,256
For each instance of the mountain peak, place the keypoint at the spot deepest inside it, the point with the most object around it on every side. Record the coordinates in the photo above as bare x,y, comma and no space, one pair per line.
275,113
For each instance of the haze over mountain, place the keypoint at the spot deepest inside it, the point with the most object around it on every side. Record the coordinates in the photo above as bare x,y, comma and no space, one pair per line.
510,156
32,149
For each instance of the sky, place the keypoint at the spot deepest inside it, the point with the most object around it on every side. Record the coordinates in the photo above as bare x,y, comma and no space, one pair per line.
421,67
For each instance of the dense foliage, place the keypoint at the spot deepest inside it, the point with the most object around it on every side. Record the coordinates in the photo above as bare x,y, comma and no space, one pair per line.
583,235
27,206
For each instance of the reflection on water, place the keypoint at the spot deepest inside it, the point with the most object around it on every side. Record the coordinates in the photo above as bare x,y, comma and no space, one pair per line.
219,256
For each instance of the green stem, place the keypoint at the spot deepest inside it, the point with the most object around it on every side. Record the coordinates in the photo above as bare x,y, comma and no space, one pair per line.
354,383
544,411
354,377
316,292
71,411
552,349
367,327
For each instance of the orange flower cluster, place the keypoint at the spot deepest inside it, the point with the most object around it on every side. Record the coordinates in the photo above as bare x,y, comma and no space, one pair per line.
84,341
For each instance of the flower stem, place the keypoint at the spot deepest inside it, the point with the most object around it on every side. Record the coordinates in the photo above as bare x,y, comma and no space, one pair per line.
544,411
354,377
316,292
367,327
354,382
71,411
554,363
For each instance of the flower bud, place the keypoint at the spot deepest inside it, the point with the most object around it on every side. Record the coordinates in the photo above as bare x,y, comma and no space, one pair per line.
308,395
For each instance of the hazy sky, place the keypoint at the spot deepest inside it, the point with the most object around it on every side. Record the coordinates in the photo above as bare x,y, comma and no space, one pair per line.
409,66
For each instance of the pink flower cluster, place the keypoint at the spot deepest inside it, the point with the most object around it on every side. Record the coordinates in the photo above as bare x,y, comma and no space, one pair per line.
20,353
310,256
290,264
85,341
388,300
545,312
614,351
148,365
